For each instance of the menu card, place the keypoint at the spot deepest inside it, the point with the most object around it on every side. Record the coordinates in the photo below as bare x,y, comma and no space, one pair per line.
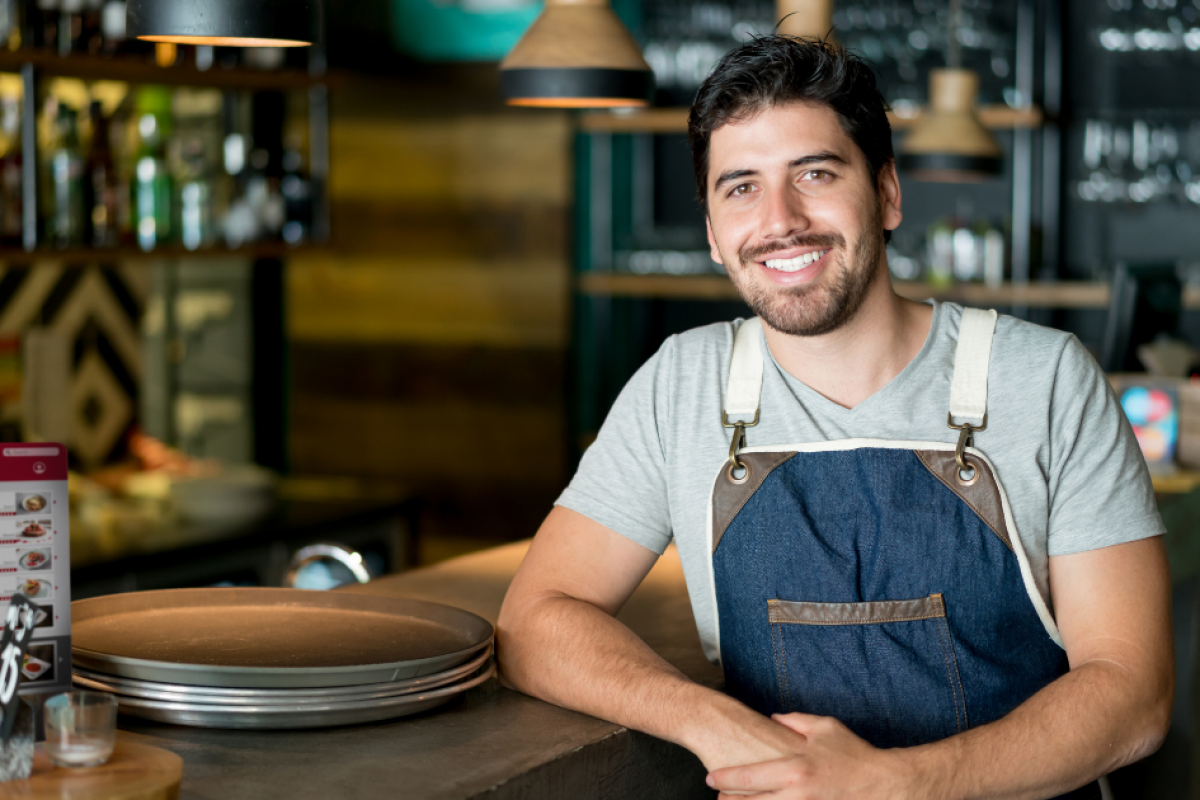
35,557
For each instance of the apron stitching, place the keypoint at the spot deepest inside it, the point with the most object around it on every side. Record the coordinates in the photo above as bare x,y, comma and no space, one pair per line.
866,622
787,689
950,677
957,676
778,670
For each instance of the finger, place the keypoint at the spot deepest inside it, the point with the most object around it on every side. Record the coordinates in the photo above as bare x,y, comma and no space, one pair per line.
802,724
767,776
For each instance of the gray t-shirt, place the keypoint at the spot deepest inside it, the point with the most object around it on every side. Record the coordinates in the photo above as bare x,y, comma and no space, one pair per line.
1059,441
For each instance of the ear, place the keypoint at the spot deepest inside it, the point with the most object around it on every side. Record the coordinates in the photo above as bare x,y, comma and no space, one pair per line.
889,196
714,252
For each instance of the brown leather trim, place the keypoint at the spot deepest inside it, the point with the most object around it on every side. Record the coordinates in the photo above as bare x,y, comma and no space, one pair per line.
983,496
729,497
788,612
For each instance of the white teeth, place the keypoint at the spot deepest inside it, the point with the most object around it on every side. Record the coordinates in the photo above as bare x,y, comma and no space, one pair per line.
795,264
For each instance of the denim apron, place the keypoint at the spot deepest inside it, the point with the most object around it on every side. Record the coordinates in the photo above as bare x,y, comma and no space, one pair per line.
879,582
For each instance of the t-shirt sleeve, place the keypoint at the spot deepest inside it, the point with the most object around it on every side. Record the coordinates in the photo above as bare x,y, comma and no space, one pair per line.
621,482
1100,489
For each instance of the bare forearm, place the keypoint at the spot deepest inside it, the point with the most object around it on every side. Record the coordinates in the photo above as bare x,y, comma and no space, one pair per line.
1096,718
570,653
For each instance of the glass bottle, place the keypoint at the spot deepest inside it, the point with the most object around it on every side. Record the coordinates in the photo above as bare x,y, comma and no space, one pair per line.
11,24
100,183
43,24
11,199
92,36
70,26
152,184
66,169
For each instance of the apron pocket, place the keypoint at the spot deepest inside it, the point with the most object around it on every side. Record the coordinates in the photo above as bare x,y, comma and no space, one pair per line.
886,668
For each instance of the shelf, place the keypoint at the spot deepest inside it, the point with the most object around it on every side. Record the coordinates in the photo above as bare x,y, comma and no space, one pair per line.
136,70
674,120
81,257
1068,294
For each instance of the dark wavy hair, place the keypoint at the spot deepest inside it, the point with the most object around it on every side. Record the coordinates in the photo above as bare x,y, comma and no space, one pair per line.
773,70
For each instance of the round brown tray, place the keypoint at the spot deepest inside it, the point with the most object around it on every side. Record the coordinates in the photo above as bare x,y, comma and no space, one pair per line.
271,638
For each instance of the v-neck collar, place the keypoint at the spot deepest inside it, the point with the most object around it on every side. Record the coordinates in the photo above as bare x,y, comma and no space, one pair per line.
813,399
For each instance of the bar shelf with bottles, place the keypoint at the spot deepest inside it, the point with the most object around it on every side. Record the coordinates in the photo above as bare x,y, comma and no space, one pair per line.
124,169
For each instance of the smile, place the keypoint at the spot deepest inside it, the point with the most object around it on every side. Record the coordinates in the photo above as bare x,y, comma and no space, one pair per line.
794,264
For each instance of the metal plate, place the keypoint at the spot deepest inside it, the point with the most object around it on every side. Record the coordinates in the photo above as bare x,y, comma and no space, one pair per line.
309,716
271,638
176,693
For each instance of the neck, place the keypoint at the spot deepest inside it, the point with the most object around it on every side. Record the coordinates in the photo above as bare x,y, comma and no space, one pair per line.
855,361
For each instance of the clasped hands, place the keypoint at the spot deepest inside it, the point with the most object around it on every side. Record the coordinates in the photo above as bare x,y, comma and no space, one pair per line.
826,760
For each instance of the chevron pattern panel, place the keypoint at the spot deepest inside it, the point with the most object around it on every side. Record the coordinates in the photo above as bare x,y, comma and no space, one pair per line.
99,309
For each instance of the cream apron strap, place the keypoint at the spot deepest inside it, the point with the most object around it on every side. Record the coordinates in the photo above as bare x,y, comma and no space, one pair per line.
745,372
968,391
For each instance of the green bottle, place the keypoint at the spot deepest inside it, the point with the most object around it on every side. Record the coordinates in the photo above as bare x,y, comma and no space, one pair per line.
66,171
153,190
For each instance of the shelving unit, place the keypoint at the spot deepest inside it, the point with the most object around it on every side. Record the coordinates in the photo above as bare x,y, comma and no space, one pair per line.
262,330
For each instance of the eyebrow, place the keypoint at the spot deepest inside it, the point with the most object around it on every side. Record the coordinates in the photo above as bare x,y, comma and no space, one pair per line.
824,157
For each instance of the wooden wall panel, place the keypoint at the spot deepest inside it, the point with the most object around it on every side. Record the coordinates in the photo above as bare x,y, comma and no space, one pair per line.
429,339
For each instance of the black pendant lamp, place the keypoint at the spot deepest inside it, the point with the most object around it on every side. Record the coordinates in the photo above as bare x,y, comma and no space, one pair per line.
226,23
576,54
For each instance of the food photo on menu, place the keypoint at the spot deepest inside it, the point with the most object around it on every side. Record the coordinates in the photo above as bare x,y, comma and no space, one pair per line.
32,503
34,528
34,588
37,559
39,663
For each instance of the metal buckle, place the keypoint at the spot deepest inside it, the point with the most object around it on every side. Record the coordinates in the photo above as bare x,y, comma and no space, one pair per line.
966,438
739,439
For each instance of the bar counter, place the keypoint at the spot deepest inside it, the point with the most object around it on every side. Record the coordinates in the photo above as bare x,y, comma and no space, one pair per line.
494,743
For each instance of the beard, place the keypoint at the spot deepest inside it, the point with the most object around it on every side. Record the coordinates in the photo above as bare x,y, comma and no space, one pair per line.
816,309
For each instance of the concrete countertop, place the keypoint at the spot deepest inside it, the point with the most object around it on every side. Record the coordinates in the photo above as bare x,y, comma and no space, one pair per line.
495,743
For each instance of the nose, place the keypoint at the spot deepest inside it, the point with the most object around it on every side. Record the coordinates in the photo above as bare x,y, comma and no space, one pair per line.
784,213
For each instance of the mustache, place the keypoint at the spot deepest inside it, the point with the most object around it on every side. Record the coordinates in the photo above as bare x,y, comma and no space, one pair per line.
822,241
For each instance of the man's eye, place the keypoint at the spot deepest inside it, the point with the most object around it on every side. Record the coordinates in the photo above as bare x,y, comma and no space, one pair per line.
743,188
816,175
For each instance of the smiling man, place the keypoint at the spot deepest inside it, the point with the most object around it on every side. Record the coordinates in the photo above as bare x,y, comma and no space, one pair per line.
920,540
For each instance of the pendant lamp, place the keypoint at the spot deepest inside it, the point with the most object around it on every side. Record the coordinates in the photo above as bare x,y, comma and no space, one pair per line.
228,23
948,143
576,54
809,19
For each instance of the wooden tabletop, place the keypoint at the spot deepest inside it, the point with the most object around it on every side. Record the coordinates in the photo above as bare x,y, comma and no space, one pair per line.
496,743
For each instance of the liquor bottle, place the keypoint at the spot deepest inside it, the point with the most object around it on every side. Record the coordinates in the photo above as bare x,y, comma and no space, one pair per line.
66,169
297,196
92,37
43,24
12,24
11,199
112,27
100,183
152,181
70,26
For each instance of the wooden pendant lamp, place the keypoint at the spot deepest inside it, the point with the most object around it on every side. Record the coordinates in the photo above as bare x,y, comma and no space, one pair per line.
807,19
229,23
949,144
576,54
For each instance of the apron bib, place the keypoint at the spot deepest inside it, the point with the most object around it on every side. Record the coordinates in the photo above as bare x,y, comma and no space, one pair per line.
879,582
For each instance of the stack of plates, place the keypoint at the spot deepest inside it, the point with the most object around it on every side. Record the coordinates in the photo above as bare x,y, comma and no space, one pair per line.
276,658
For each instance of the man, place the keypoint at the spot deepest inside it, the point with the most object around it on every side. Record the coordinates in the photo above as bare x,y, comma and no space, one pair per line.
904,607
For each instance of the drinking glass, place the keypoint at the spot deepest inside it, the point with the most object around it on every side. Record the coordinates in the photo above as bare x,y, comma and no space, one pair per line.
81,728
